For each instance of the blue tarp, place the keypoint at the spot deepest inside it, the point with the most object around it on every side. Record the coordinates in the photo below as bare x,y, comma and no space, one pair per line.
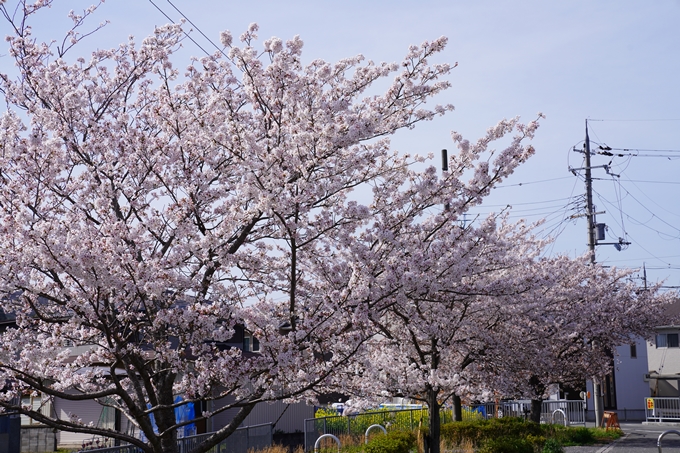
183,413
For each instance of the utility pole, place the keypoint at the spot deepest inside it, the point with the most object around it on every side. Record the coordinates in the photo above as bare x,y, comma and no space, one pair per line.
455,399
590,210
598,400
445,168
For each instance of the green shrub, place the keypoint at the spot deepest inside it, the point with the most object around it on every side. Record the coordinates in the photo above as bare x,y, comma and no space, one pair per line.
536,441
577,436
507,445
552,446
603,435
394,442
478,431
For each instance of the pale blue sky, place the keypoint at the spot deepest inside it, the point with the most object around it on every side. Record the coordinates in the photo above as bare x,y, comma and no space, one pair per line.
615,60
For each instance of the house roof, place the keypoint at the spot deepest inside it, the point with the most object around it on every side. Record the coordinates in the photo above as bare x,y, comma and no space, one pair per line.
672,315
662,377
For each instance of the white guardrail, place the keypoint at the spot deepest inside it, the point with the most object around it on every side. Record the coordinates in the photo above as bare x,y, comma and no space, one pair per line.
662,409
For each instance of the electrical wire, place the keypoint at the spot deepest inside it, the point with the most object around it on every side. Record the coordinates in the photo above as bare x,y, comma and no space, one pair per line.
197,29
653,182
526,203
533,182
651,199
642,150
643,258
635,121
661,234
609,203
617,185
187,34
650,212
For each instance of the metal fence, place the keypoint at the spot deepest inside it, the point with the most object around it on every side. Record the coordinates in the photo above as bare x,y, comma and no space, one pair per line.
662,409
120,449
552,411
573,411
356,424
243,439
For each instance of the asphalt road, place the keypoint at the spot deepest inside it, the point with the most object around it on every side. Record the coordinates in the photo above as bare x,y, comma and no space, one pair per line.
638,438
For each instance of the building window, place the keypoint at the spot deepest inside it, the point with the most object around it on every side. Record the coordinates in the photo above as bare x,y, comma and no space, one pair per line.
633,351
251,344
672,339
667,340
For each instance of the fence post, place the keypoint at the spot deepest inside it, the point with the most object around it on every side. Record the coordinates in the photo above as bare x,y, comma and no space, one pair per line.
412,428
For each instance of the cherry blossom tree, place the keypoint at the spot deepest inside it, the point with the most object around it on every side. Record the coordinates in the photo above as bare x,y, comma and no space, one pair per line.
477,310
567,335
146,213
440,289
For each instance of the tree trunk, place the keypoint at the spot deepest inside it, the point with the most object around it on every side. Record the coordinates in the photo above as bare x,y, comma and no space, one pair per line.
434,425
535,414
536,403
165,420
457,408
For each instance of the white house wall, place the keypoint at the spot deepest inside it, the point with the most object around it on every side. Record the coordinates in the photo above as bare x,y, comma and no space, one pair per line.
289,418
664,360
631,388
87,411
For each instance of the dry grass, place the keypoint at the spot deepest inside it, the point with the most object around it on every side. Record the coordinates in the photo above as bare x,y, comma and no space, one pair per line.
276,448
346,440
465,447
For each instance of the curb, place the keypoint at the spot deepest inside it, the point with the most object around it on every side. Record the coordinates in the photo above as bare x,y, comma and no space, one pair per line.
607,448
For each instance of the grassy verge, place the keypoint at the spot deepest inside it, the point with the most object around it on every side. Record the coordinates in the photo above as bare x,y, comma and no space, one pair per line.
505,435
512,435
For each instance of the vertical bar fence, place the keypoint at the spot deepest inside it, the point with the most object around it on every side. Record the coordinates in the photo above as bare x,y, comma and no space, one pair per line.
254,437
662,409
355,425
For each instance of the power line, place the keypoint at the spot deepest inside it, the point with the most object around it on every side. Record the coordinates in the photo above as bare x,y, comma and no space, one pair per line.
653,182
526,203
634,121
197,29
651,199
563,223
641,150
643,258
187,34
649,211
533,182
666,156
